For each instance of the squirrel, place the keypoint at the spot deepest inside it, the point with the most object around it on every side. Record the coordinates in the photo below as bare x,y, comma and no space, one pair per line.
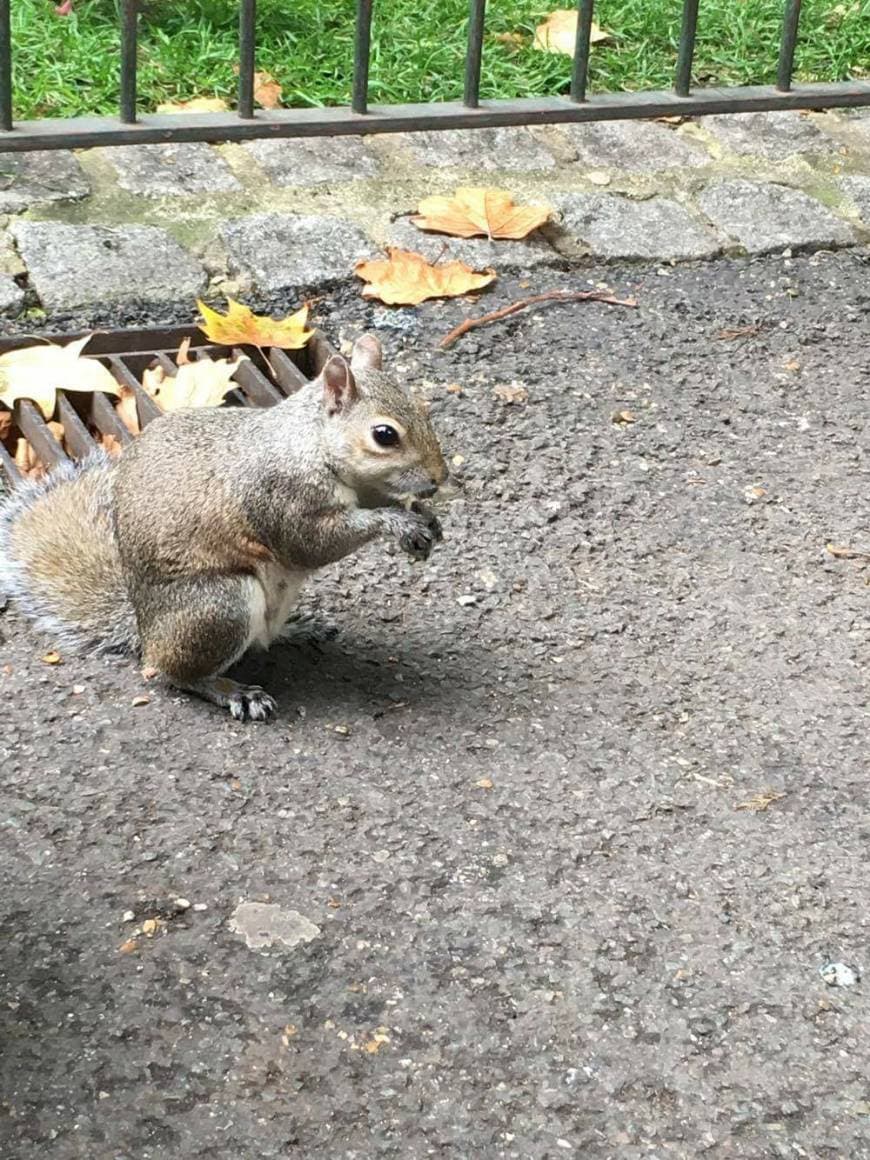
192,545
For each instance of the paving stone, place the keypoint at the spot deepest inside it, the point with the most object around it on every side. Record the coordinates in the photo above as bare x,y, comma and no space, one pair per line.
161,170
30,179
282,251
764,217
618,227
479,253
310,161
633,146
512,149
72,266
774,135
857,189
11,295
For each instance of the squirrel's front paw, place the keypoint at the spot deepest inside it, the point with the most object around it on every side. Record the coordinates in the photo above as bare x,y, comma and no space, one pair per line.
432,521
419,534
250,703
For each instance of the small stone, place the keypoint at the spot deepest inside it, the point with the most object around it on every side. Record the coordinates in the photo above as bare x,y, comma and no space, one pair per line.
265,924
341,730
466,601
381,856
840,975
632,146
150,926
764,217
137,702
500,860
479,253
128,916
271,251
857,189
200,906
33,179
598,177
11,296
774,136
171,170
181,904
307,161
511,149
74,266
484,783
619,227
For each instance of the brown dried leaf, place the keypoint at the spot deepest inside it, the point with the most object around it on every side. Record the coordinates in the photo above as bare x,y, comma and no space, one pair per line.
407,279
840,552
127,948
267,91
479,212
52,658
511,39
5,424
623,417
510,393
558,33
111,445
759,802
128,410
484,783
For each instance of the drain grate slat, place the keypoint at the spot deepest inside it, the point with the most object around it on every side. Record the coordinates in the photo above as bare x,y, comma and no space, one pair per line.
35,430
263,379
76,436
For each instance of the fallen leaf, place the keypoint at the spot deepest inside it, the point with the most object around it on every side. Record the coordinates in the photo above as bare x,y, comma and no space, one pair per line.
151,926
484,783
840,552
52,658
267,91
241,327
128,410
203,383
623,417
5,424
454,389
39,372
111,445
512,39
792,365
760,801
733,332
510,393
407,279
195,105
376,1041
558,33
137,702
128,947
474,211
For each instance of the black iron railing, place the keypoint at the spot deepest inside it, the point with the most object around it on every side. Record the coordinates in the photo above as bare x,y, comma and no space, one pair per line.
360,117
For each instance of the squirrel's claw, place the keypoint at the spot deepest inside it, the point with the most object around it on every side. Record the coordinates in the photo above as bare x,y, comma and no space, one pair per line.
250,703
424,533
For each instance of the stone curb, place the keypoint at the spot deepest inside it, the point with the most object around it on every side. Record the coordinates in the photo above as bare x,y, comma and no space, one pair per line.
167,222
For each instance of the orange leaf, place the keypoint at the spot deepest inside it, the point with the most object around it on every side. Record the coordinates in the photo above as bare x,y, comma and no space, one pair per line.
128,411
558,33
5,424
406,279
267,91
202,383
490,212
241,327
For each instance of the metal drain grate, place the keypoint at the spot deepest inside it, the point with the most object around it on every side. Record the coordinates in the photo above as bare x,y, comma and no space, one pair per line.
261,381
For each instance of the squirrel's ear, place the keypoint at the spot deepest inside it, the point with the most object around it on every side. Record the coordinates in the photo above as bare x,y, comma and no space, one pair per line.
339,388
367,354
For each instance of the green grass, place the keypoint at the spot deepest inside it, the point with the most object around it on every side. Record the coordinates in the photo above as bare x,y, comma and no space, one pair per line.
66,66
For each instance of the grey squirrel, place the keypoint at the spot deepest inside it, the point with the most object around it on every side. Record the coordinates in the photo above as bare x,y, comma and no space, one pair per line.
193,545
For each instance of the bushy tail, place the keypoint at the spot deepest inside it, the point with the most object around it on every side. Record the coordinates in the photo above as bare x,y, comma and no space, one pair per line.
59,561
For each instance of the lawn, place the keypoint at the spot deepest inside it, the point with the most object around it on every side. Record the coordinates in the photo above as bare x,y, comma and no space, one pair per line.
68,65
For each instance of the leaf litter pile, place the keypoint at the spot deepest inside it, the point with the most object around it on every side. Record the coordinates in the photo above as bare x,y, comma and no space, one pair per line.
32,376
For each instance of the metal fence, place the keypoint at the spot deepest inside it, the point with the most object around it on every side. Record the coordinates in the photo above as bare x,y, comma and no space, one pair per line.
130,126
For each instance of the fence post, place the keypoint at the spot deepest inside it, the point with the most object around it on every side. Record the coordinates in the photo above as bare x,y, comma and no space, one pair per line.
5,66
362,48
683,81
129,36
580,71
788,45
247,57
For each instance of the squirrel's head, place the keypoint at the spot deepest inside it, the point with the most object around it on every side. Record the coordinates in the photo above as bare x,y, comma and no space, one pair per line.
379,439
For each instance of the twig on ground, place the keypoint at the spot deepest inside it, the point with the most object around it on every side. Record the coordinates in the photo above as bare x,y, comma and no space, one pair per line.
552,296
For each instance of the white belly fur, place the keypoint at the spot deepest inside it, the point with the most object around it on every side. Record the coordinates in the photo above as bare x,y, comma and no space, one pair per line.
272,594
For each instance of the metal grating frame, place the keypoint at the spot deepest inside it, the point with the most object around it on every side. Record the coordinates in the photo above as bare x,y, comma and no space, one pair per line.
127,353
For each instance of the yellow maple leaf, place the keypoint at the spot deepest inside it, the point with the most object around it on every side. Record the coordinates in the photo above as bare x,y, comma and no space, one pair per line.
267,91
407,279
195,105
241,327
477,211
558,33
39,372
203,383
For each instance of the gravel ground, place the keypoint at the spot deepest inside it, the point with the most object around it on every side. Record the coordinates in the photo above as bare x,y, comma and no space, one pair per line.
508,794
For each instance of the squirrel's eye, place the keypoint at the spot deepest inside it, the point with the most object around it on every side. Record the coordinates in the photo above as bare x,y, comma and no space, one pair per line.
385,436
